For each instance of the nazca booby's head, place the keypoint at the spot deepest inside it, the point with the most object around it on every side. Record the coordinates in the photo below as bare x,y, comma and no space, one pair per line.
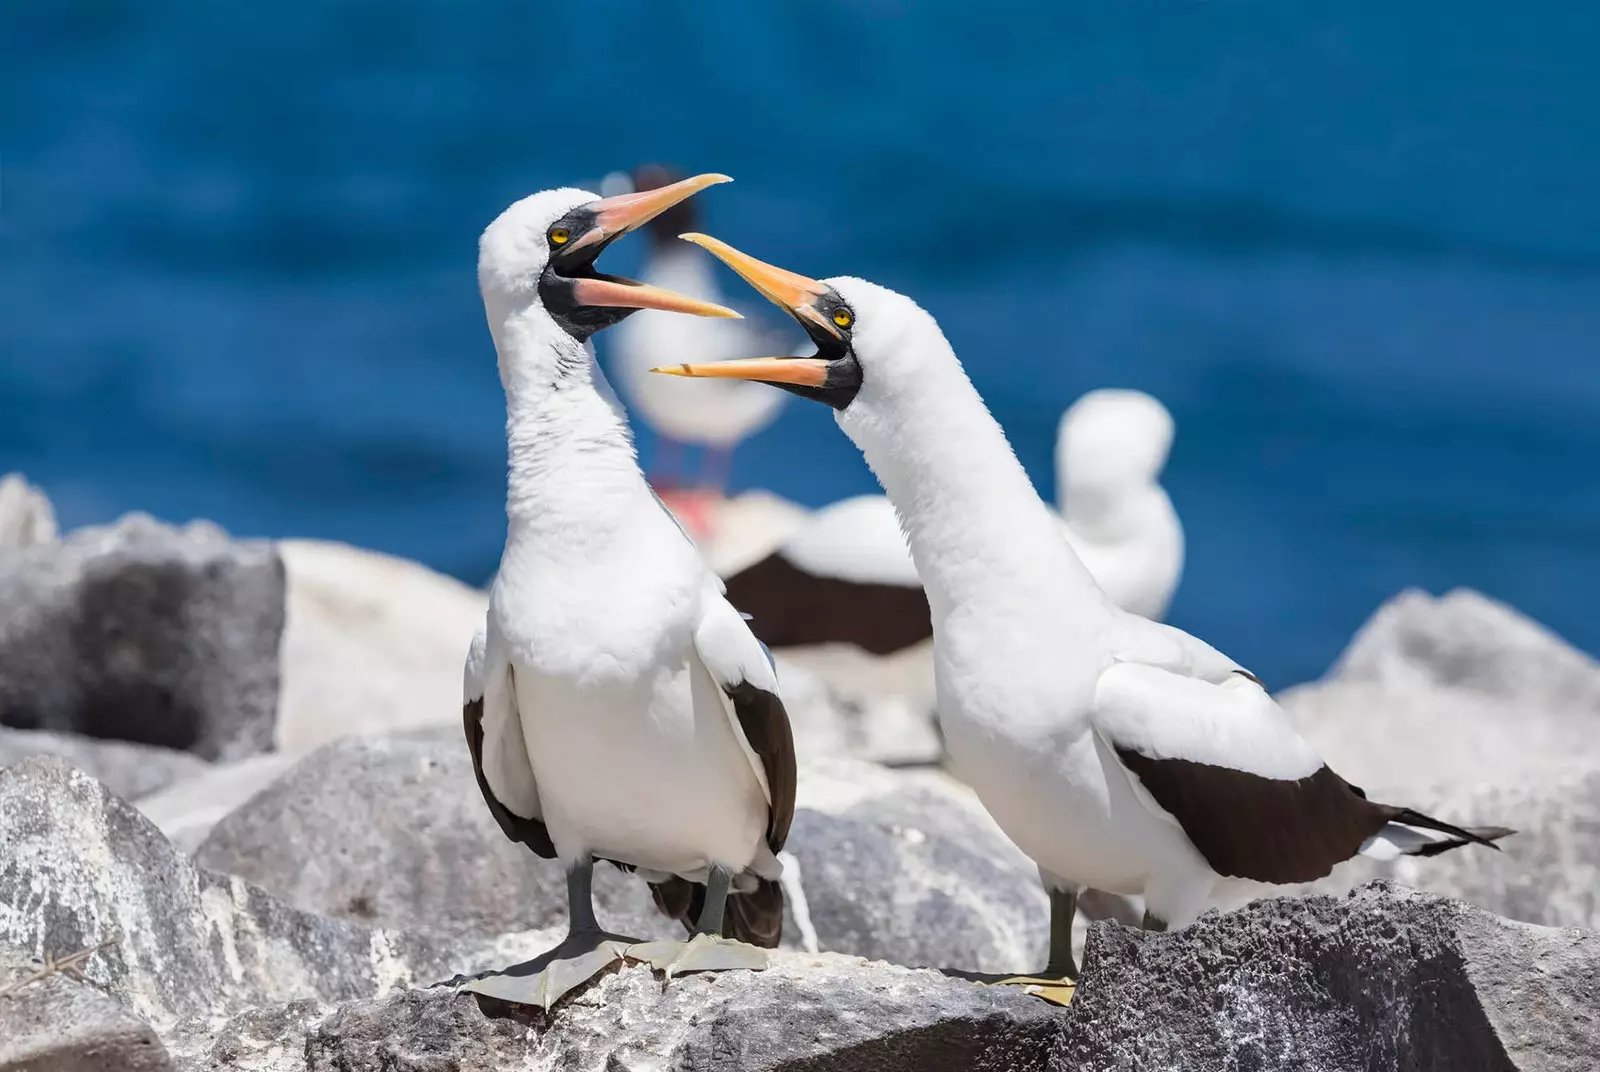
540,252
869,339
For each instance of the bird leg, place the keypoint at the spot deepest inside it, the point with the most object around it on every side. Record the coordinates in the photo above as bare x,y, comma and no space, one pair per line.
719,468
583,953
1059,980
707,950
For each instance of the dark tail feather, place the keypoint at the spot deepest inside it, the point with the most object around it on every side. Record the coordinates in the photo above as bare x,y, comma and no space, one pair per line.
1458,835
755,917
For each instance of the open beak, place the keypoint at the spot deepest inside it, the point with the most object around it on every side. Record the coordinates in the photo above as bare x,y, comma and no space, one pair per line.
796,371
832,375
614,217
789,291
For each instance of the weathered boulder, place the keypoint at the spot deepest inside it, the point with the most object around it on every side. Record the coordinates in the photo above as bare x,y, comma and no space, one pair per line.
1547,873
394,831
817,1013
372,644
26,517
81,867
838,715
1451,691
907,867
128,770
187,810
1387,978
143,632
1467,710
52,1022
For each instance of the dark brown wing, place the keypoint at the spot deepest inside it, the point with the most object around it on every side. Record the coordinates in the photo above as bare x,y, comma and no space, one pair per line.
1267,829
788,607
530,832
765,724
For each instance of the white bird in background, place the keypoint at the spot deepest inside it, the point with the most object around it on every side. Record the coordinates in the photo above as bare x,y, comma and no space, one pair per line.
846,576
617,706
684,419
1119,753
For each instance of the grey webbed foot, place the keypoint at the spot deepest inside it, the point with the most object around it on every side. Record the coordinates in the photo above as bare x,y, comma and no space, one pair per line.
549,977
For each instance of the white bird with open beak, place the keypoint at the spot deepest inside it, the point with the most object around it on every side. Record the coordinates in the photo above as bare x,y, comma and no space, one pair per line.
617,706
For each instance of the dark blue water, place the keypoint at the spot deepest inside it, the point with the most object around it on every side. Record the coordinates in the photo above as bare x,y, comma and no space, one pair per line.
1355,248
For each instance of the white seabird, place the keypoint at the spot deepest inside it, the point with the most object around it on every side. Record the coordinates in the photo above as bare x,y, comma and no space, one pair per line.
617,707
715,421
846,575
1119,753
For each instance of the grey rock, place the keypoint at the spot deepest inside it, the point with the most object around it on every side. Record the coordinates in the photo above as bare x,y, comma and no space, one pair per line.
1469,711
144,632
905,866
372,644
128,770
845,703
82,867
1451,691
61,1024
26,517
186,810
1548,873
394,831
805,1012
1387,978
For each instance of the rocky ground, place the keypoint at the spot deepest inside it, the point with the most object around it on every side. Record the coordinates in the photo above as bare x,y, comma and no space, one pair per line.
239,830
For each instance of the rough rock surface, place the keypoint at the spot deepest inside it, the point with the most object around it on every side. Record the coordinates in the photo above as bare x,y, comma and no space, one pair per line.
1465,709
82,867
26,517
1452,691
186,811
805,1012
906,866
394,831
143,632
371,644
128,770
1548,873
61,1024
835,714
1387,978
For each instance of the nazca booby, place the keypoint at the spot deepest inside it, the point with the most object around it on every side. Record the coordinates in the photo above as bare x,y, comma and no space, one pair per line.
1118,753
846,575
617,706
716,420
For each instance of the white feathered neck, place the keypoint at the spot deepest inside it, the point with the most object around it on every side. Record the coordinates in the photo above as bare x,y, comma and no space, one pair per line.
571,467
975,524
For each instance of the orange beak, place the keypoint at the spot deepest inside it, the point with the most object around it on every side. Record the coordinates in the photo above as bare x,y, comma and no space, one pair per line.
616,216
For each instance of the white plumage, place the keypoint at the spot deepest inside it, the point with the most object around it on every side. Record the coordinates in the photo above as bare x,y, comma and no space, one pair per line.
1110,450
611,663
1119,753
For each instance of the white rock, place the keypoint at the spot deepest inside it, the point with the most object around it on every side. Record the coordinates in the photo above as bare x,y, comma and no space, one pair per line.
26,516
372,644
1451,692
747,528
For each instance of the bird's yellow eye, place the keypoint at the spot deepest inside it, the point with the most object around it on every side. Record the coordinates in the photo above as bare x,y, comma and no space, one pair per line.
843,318
559,235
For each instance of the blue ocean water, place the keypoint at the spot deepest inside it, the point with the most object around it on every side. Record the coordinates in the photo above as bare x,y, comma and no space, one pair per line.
1355,248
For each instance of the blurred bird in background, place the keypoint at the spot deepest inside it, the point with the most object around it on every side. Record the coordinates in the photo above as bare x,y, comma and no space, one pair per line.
683,417
846,576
